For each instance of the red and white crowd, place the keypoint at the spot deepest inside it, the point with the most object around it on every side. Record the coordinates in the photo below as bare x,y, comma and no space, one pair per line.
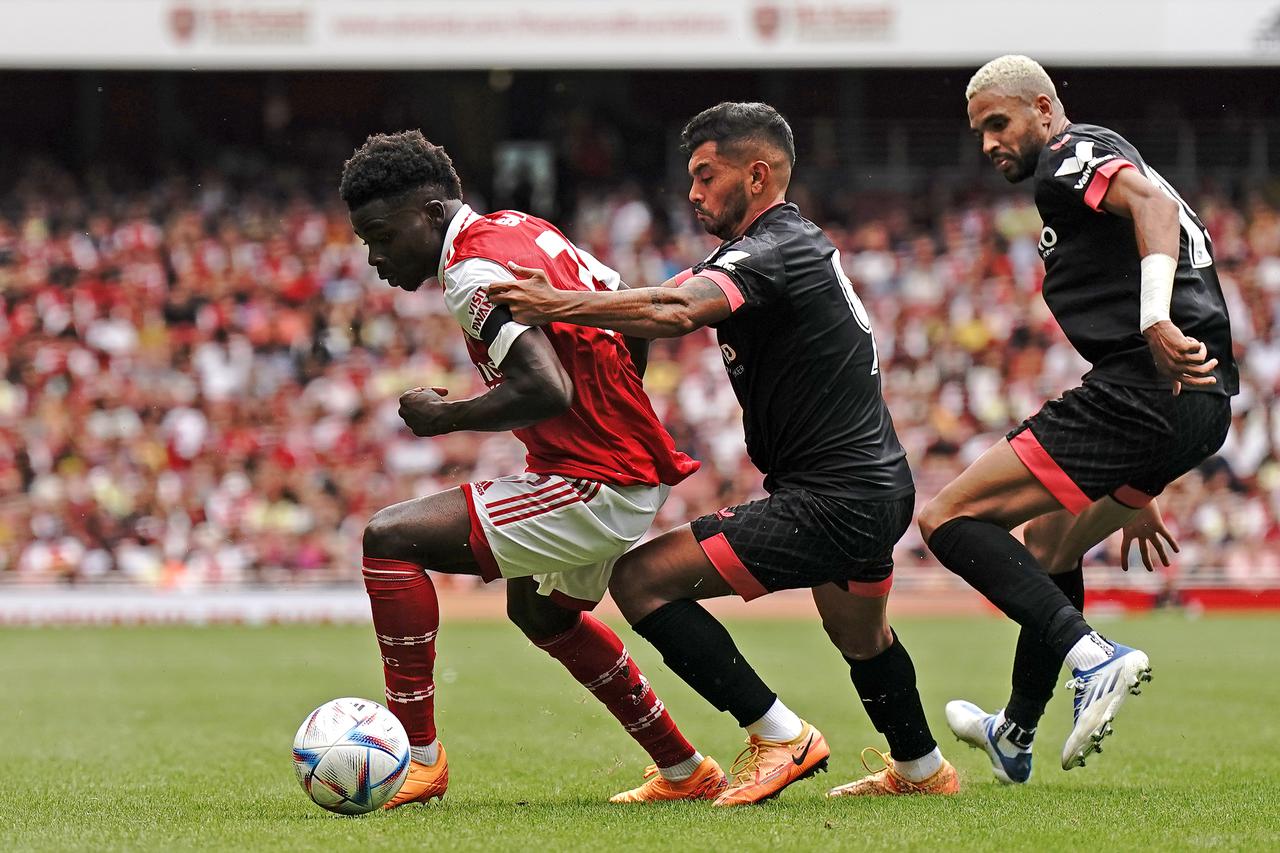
199,382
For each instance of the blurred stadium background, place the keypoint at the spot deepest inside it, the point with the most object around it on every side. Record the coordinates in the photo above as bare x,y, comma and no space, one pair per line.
199,373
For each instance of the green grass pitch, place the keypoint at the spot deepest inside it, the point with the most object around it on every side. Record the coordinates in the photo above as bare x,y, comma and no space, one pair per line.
178,738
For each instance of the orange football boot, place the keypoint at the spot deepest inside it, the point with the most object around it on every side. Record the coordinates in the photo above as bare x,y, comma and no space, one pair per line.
886,781
706,783
425,782
765,767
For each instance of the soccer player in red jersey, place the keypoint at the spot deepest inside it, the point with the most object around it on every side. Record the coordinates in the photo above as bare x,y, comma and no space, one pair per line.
599,464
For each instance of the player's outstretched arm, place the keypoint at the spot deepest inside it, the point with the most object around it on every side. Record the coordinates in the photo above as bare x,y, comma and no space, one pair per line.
535,387
1156,229
645,312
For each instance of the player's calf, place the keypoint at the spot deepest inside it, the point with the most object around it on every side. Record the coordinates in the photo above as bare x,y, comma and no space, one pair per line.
596,657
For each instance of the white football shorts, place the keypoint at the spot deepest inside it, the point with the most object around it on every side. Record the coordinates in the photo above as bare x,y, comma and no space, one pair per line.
566,533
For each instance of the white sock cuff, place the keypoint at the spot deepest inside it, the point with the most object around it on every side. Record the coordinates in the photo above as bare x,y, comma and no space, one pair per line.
779,724
682,770
426,753
1089,651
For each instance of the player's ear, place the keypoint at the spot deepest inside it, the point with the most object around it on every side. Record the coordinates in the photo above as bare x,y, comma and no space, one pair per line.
434,210
759,173
1043,105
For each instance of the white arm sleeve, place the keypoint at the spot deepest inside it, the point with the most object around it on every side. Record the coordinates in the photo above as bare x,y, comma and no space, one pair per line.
466,294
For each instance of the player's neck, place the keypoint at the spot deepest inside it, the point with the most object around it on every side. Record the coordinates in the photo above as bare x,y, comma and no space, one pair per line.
754,212
1058,125
451,208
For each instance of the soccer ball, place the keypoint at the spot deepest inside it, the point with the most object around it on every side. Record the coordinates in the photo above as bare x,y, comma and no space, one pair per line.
351,756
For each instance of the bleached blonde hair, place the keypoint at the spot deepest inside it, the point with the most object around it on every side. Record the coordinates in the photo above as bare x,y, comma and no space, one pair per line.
1013,74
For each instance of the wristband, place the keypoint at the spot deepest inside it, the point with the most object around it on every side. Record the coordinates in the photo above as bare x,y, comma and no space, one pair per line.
1157,289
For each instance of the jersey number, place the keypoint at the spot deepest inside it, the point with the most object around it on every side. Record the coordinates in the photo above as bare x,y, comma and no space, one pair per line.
1197,237
589,269
857,308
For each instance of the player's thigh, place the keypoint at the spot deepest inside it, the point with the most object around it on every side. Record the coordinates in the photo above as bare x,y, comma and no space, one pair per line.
1064,539
858,625
1044,537
669,568
431,531
998,487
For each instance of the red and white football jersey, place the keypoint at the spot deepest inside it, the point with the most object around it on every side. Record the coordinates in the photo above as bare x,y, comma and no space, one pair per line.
610,434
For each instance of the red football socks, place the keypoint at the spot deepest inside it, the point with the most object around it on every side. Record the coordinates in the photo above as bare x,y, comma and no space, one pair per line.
595,656
406,616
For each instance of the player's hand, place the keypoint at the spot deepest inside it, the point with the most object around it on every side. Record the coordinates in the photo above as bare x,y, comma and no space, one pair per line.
1147,529
425,412
532,299
1178,357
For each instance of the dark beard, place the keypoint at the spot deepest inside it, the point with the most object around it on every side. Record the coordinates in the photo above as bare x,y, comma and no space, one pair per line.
725,225
1026,159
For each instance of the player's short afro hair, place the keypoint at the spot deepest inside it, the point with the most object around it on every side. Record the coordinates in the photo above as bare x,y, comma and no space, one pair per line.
390,165
730,124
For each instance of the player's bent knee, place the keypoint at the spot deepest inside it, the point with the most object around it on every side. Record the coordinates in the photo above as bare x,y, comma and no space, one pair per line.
935,514
632,591
538,617
380,535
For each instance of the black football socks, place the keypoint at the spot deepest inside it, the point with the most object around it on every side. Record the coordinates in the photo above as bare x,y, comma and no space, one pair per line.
1035,665
1000,567
698,649
886,684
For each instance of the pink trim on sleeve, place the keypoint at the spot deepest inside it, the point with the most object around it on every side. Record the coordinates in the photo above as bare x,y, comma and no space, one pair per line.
1102,179
727,287
682,276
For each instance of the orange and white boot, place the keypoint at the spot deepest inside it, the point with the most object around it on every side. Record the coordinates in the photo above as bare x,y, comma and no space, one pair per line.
425,782
765,767
888,782
706,783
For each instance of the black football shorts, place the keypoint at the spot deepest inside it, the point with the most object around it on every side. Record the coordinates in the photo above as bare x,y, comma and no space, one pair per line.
1102,439
796,539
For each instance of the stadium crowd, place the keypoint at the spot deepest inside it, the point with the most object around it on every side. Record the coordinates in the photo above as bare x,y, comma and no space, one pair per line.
199,378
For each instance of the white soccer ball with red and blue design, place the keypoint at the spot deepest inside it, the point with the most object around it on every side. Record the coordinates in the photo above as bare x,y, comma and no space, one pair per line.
351,756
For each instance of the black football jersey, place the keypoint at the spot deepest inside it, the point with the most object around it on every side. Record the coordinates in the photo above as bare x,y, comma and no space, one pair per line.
1093,273
802,360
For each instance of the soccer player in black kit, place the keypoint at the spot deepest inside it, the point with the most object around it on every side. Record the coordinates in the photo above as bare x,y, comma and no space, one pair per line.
1129,276
799,352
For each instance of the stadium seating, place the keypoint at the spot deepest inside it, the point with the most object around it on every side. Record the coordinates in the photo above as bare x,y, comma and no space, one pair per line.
198,381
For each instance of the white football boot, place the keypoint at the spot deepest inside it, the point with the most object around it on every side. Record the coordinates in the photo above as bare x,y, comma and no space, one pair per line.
972,725
1100,691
